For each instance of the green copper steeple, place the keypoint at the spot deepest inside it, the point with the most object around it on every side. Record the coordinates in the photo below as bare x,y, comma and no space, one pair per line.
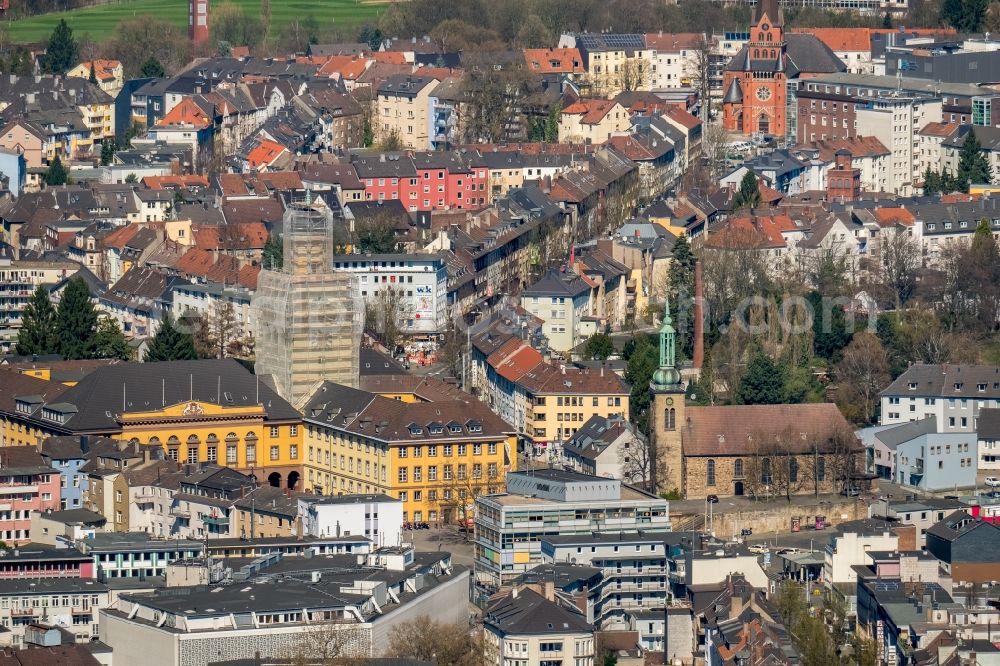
666,376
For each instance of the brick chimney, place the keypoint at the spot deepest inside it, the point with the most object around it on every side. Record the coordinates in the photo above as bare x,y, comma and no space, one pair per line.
843,181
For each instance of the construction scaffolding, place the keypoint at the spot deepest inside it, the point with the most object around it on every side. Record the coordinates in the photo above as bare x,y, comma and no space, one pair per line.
307,316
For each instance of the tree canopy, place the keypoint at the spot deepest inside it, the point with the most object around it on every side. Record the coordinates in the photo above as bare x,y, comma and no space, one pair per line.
973,165
37,334
56,174
170,344
748,195
763,383
76,322
599,346
62,50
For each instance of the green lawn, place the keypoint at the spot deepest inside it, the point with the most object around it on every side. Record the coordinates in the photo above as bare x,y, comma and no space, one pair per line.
98,22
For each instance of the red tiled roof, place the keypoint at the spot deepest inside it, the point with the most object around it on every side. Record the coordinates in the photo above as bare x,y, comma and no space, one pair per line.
682,117
121,236
390,57
265,153
238,236
732,429
592,110
859,146
163,182
347,67
104,70
673,42
554,61
187,112
887,217
942,130
860,39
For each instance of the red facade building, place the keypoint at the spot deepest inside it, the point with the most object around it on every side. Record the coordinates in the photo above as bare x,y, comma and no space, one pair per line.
425,181
756,80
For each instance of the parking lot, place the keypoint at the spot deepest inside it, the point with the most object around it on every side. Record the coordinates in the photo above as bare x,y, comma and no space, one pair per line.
448,538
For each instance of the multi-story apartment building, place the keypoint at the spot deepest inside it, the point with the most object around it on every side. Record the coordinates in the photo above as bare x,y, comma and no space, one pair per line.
951,393
403,110
70,603
562,301
426,180
532,629
435,457
419,283
27,485
18,281
674,59
634,566
895,121
215,302
375,517
511,526
614,62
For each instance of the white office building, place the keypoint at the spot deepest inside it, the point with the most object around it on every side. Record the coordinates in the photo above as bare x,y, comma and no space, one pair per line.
420,279
376,517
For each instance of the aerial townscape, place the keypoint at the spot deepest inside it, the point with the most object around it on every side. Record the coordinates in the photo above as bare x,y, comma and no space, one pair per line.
288,289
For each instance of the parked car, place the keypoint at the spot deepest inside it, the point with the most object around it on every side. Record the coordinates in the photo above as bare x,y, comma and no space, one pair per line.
993,482
759,549
851,491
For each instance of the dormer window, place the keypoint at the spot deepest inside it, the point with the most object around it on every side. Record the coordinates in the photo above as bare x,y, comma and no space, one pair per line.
912,386
981,387
958,386
457,429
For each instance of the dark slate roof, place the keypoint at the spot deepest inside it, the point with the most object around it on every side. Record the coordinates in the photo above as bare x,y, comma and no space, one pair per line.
527,612
948,380
558,284
734,94
146,386
804,53
988,423
374,362
893,437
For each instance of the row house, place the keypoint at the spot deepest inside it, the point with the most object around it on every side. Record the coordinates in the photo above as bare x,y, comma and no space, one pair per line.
403,110
614,62
592,121
426,180
510,169
140,300
27,485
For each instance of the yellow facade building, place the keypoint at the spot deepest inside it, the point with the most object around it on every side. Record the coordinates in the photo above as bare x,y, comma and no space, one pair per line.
436,457
196,411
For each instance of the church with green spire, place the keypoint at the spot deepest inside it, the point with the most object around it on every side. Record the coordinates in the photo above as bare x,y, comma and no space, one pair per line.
667,411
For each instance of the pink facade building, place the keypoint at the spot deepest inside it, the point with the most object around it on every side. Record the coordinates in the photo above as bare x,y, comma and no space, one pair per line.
27,484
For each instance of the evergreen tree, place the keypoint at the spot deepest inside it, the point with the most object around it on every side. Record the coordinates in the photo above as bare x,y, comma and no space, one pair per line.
947,183
61,52
552,124
56,173
831,332
108,151
38,325
643,359
109,341
371,36
76,321
681,294
973,167
763,383
170,344
887,21
93,75
273,257
749,192
151,68
964,15
932,182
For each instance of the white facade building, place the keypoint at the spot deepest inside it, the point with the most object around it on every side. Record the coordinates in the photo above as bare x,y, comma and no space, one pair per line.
422,280
851,547
376,517
895,121
210,299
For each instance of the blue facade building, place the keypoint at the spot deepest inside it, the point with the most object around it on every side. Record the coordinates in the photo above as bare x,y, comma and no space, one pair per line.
66,455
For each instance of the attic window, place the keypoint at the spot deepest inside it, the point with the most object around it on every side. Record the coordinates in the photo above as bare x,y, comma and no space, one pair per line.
912,386
435,430
981,387
455,428
958,386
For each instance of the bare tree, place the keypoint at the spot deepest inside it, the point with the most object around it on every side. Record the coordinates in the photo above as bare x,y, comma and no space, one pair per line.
328,642
773,466
632,75
635,460
898,261
699,69
862,372
385,314
222,325
466,483
428,640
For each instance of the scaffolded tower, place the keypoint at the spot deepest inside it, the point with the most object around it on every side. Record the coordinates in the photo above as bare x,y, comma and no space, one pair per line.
307,317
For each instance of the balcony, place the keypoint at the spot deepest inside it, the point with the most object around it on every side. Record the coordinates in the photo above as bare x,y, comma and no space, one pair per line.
23,612
178,512
18,490
145,498
218,521
82,611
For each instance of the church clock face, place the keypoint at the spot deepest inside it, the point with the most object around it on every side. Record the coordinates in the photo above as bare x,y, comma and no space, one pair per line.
670,401
763,93
765,27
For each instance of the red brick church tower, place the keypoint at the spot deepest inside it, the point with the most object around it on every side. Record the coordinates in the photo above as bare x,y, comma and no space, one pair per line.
755,80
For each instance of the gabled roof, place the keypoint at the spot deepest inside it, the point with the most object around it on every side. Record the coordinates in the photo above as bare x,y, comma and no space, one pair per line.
557,284
265,153
554,61
525,611
731,429
673,42
592,111
187,112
